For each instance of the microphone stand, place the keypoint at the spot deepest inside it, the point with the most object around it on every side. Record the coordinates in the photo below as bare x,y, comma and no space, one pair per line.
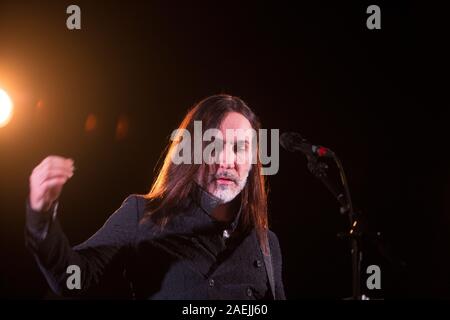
318,169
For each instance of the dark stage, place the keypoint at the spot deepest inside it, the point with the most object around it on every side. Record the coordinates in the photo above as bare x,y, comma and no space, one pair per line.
109,95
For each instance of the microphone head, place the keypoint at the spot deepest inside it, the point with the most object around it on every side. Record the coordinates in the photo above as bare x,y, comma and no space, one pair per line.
291,141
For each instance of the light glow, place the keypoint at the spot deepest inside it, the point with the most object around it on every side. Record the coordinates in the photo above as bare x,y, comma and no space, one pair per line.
6,108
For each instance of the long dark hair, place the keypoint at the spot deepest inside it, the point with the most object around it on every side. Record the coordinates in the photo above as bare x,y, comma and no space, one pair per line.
176,182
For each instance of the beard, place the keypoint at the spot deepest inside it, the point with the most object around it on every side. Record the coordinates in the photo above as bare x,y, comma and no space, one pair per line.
227,192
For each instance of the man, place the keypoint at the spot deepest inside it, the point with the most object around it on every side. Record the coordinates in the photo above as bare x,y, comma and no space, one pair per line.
200,233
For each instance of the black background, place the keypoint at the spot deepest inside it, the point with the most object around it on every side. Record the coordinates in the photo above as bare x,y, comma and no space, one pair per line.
370,95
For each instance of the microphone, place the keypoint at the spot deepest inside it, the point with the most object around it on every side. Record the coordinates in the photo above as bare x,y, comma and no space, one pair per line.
293,142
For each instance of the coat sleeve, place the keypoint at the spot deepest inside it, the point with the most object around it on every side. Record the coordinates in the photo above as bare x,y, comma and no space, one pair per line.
277,266
57,259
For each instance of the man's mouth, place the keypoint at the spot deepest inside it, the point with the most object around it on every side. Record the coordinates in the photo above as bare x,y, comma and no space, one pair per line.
224,181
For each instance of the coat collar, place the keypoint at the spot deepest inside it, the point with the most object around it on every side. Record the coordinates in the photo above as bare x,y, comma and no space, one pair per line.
208,202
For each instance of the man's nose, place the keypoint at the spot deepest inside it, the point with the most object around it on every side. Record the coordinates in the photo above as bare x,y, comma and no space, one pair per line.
227,157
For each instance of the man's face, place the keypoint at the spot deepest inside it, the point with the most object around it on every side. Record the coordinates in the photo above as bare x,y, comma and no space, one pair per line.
227,177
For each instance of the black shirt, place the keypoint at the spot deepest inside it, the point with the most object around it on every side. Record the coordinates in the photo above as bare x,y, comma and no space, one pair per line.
190,258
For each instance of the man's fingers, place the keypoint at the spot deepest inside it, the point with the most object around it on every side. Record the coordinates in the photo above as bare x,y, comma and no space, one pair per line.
49,167
65,177
54,182
42,172
41,176
54,161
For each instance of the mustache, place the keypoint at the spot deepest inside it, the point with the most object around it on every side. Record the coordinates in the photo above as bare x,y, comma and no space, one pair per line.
226,175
